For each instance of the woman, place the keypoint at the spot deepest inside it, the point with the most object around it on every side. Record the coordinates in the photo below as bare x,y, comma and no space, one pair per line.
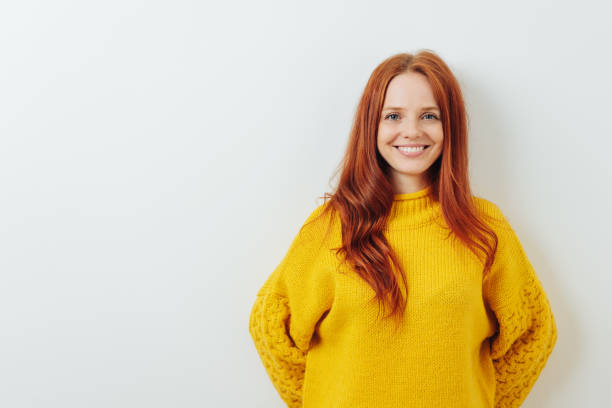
469,324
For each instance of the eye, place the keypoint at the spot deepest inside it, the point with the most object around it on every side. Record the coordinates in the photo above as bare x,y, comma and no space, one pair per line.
391,114
395,114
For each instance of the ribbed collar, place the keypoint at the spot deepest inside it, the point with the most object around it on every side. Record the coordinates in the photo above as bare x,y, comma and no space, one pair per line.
411,210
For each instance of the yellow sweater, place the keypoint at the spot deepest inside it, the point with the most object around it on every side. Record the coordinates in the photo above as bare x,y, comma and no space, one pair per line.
462,343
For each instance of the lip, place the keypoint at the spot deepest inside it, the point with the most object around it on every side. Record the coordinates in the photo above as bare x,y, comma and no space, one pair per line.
412,154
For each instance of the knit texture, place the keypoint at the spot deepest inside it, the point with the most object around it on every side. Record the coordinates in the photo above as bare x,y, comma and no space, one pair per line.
463,341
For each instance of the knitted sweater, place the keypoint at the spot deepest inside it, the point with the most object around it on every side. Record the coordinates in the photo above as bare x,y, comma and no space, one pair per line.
463,342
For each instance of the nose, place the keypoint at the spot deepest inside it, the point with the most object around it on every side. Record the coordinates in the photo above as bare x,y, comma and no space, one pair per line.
411,129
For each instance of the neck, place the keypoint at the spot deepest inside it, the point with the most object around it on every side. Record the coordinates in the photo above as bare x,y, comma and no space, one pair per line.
413,209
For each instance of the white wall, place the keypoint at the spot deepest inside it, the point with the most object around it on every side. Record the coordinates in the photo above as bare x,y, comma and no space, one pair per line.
157,158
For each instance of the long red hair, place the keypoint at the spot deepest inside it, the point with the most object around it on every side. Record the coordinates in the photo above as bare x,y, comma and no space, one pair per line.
364,194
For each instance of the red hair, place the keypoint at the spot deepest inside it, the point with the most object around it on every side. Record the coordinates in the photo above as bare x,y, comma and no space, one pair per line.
364,194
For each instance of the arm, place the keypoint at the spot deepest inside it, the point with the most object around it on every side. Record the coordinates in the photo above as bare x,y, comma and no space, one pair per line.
283,360
286,310
526,326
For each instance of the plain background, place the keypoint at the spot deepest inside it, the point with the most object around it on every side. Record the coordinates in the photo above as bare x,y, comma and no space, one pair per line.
157,158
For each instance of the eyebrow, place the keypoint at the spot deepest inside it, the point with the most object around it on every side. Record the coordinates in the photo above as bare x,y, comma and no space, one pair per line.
400,108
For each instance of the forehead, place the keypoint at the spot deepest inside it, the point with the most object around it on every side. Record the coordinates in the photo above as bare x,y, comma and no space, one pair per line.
410,90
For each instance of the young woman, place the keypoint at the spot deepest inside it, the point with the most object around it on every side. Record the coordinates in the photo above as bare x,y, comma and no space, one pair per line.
469,324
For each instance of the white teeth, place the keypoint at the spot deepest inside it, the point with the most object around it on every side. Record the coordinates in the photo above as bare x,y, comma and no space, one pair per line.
411,149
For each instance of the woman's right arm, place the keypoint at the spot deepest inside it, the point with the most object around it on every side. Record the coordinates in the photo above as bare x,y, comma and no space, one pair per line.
286,310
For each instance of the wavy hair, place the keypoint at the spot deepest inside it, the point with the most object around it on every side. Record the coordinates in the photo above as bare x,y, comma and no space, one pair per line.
364,194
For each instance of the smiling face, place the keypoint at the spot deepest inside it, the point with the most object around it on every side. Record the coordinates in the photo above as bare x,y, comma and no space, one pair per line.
410,117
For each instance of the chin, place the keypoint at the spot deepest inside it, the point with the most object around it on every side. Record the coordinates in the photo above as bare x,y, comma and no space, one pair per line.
412,171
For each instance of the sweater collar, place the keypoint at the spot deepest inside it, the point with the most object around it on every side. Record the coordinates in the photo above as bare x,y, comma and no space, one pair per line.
413,209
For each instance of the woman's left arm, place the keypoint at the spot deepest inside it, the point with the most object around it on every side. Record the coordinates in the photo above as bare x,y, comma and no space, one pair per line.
527,331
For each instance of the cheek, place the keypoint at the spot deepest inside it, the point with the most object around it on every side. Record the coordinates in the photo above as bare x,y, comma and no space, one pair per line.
383,136
438,151
380,137
439,134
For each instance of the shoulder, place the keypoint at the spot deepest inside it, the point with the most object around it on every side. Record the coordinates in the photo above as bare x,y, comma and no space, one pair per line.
319,221
318,210
491,212
510,255
302,266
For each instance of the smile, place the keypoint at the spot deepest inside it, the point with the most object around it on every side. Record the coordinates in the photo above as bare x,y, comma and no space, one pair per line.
411,151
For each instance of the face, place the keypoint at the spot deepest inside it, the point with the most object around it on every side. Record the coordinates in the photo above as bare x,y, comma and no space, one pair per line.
410,117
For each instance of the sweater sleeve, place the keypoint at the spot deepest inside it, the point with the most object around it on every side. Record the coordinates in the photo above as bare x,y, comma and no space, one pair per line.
287,309
526,331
